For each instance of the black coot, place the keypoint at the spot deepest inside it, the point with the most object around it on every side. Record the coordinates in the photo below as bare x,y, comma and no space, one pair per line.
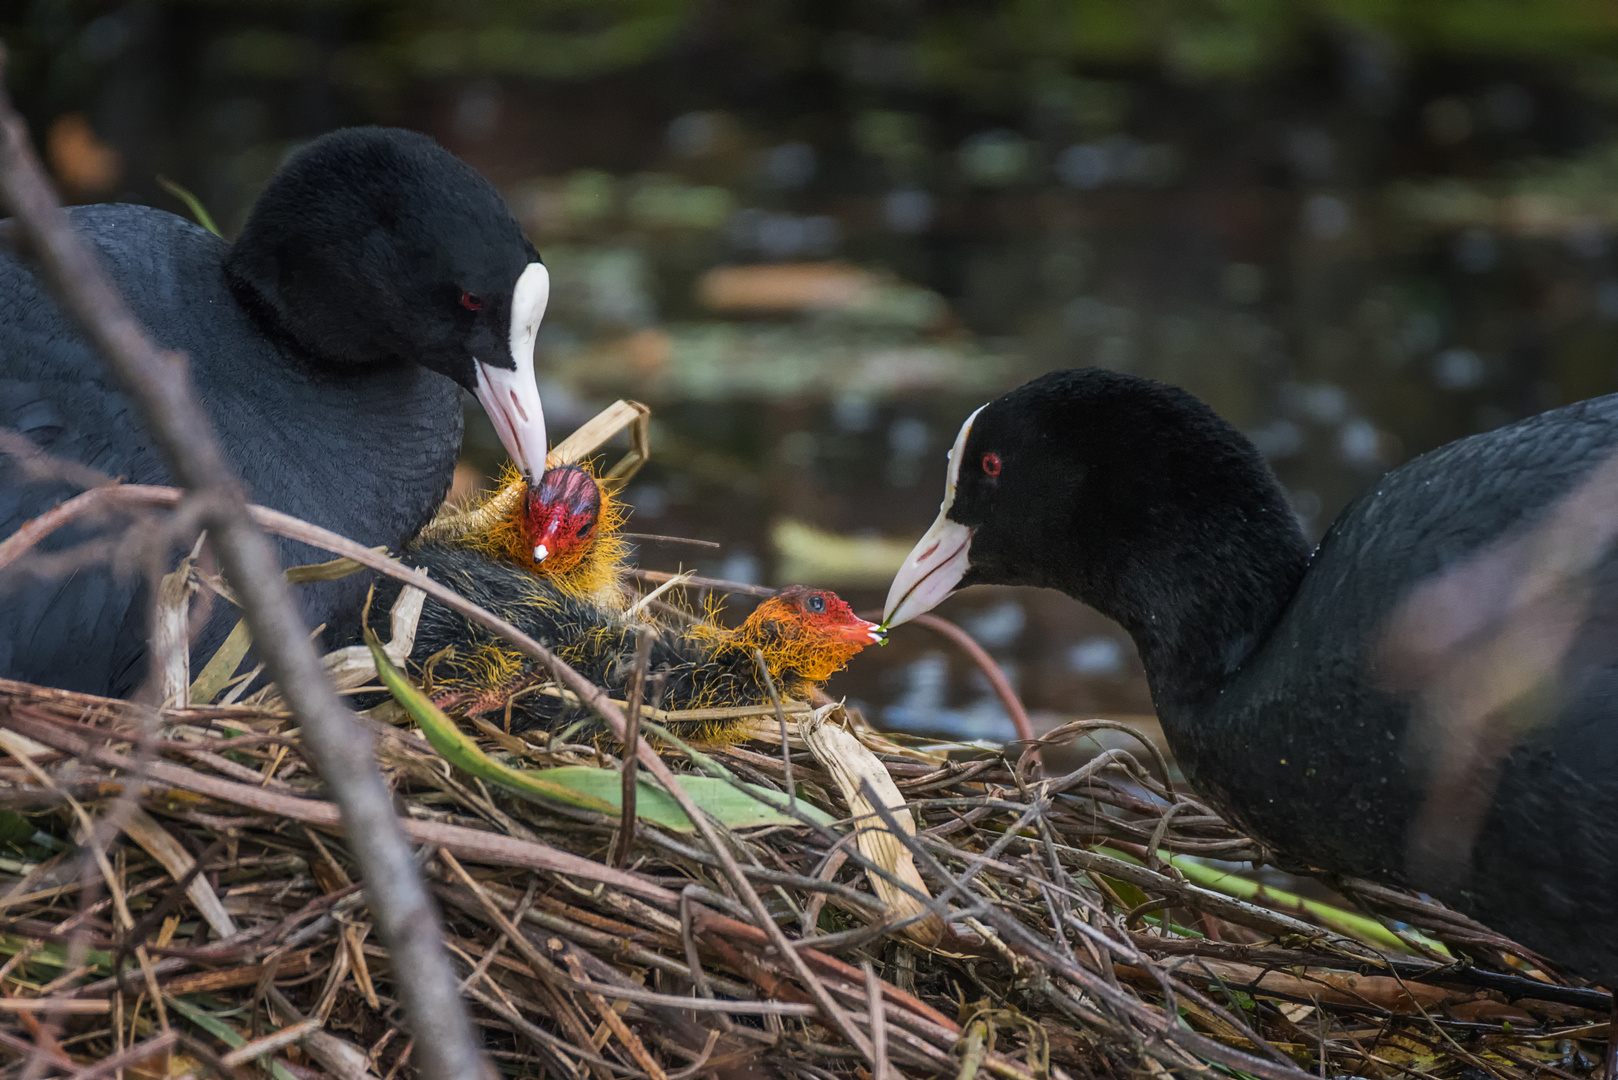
1430,699
376,276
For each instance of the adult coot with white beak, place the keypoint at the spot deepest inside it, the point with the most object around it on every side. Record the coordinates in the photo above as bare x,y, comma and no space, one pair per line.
1430,698
376,276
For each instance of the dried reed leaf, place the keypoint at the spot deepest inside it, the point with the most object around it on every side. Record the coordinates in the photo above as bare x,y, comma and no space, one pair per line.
142,828
171,640
861,776
353,666
216,674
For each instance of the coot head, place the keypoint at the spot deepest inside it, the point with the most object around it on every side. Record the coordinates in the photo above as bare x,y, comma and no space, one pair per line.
1098,484
560,516
377,246
820,612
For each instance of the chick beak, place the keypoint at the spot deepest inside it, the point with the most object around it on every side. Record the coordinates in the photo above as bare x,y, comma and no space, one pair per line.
511,395
562,507
548,540
861,633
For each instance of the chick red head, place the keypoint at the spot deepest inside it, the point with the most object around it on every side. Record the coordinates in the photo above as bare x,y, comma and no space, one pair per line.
560,515
809,632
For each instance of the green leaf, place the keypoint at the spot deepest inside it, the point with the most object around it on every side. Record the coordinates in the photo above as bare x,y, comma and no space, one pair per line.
461,751
208,1022
751,806
1351,923
192,203
221,1031
54,955
221,666
584,786
15,829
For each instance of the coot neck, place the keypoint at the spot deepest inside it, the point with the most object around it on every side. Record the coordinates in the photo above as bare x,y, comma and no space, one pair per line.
1196,630
268,321
1197,567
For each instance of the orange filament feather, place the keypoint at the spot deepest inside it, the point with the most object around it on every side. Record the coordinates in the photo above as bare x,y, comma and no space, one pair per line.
594,572
798,656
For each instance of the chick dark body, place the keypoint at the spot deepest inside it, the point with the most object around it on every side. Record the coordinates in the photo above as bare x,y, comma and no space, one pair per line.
702,666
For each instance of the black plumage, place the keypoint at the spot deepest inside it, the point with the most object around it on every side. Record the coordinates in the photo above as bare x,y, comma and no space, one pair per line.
318,343
1430,699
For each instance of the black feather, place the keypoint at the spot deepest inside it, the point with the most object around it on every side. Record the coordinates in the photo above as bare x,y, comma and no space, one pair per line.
686,671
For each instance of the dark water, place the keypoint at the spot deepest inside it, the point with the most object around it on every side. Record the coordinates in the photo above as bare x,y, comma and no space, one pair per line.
1357,237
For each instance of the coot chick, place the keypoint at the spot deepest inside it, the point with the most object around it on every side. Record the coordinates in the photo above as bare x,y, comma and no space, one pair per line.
805,636
1430,699
377,276
563,527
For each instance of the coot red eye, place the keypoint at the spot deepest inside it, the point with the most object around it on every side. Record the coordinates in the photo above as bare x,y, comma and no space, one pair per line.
471,301
817,603
991,464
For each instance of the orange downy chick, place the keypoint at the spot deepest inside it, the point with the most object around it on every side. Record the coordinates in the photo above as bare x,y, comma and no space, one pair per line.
805,636
563,529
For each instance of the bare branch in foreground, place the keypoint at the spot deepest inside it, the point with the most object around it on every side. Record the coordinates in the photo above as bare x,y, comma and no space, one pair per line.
157,382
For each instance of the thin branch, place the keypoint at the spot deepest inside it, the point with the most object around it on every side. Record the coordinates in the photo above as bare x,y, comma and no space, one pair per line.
781,722
631,767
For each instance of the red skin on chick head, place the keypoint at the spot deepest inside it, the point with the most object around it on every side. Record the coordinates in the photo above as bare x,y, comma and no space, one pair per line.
810,632
560,515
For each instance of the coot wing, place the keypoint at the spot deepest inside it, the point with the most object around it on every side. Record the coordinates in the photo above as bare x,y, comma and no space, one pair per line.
1462,618
79,627
74,626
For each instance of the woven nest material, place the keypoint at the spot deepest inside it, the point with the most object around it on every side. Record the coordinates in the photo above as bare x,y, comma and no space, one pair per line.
206,919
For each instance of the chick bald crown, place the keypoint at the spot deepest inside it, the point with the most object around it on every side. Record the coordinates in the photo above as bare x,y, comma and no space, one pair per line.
501,527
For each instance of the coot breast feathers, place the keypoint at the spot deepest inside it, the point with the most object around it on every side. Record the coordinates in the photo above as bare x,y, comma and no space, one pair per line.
376,275
1429,699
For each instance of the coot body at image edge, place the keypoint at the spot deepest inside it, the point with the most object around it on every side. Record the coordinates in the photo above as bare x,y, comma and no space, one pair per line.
1429,699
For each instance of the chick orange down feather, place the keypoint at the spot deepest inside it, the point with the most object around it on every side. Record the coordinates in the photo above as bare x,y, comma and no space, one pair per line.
549,560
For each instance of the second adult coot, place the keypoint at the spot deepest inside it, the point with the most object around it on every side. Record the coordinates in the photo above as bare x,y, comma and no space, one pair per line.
376,276
1429,699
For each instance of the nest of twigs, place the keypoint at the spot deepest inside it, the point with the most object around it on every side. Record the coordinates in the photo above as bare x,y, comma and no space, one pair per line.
206,920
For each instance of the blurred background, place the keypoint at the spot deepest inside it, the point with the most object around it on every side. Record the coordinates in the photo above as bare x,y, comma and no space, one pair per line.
815,235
